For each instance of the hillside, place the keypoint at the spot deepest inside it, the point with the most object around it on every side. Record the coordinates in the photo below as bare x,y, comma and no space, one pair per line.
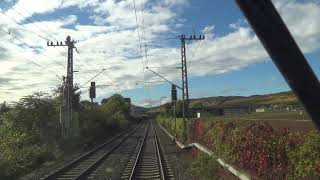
280,99
283,98
138,110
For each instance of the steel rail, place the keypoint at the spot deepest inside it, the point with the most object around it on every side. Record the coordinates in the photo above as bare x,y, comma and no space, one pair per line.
158,154
148,161
139,153
98,162
64,169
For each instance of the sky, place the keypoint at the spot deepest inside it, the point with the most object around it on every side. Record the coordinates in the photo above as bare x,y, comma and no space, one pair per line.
126,36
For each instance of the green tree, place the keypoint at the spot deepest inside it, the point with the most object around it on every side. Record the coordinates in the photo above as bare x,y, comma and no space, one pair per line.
31,131
116,104
105,100
4,107
29,135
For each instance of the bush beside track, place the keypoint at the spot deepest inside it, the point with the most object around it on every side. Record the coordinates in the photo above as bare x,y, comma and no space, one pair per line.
31,132
256,148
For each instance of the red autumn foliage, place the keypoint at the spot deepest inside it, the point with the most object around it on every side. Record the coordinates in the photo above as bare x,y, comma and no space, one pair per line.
262,152
198,129
194,152
317,168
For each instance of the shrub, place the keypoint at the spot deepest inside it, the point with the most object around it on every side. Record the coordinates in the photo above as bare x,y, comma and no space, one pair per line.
198,129
262,151
31,133
305,159
205,167
21,152
219,138
169,124
258,149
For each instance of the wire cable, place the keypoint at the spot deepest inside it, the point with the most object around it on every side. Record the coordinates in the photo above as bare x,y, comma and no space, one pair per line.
31,20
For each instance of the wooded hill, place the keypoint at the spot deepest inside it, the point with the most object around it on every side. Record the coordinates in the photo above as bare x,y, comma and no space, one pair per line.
282,98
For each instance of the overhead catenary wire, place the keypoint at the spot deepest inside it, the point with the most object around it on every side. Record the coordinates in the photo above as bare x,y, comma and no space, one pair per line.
146,77
113,83
139,38
198,46
18,23
30,19
26,18
145,49
138,31
92,78
29,46
41,38
39,35
163,77
164,67
145,63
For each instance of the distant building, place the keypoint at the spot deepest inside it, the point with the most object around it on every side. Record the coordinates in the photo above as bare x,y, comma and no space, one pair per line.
259,110
289,108
235,110
224,111
128,101
205,111
132,110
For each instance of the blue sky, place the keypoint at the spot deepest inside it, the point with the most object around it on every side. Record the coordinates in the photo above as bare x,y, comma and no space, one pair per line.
258,78
230,61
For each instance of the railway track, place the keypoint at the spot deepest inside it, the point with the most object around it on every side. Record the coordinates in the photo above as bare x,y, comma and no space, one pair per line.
84,166
147,160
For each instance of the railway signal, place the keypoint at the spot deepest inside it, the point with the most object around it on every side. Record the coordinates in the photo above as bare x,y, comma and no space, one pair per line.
174,102
92,91
173,93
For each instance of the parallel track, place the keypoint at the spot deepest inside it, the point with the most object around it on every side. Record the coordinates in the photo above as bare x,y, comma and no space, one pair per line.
148,161
82,167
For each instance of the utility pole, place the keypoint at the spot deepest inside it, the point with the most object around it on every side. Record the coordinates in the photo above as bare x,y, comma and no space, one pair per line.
68,94
184,73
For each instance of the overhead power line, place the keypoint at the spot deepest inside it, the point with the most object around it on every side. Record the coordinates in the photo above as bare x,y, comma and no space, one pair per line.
198,45
154,67
146,78
32,20
40,37
26,18
29,46
139,37
163,77
92,78
29,20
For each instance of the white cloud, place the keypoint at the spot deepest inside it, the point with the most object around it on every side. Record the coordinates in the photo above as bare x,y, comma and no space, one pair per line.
113,41
32,7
